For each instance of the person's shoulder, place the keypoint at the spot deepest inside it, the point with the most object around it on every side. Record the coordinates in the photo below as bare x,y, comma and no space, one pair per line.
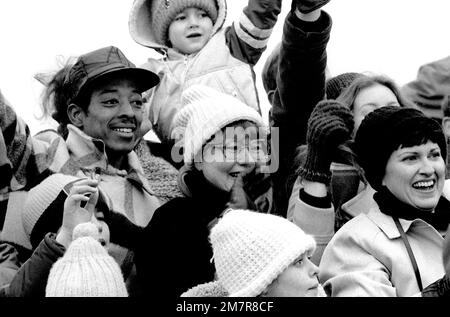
175,210
358,228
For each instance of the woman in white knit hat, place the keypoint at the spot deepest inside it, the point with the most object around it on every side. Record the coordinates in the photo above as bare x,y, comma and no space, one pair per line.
219,137
260,255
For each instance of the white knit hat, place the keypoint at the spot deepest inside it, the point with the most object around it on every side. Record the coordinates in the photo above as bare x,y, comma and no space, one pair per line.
86,269
252,249
205,112
38,200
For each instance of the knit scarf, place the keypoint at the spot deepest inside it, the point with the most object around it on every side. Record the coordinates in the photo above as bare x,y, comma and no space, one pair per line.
15,150
391,206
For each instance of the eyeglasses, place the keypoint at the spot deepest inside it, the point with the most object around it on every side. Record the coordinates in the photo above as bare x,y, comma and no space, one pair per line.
251,150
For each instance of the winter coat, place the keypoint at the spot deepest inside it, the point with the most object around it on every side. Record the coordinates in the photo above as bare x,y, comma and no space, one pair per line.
31,279
126,191
174,253
367,257
349,198
224,63
300,86
17,162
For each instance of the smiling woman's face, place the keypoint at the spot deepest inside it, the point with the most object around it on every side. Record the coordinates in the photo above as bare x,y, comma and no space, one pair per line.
114,115
415,175
232,152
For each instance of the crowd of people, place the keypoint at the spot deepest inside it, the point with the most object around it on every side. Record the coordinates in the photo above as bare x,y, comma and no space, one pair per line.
342,193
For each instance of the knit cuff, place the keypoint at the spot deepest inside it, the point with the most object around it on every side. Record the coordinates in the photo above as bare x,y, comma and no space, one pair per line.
318,202
315,168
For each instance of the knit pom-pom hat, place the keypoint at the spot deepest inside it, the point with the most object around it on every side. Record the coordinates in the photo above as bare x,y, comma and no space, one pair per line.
252,249
86,269
152,18
164,12
205,112
384,130
210,289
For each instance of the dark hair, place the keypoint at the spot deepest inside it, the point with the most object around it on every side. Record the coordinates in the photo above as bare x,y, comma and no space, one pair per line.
387,129
59,93
350,94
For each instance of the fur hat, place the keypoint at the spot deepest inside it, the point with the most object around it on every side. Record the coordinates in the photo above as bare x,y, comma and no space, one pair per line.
430,87
383,131
205,112
42,212
149,20
252,249
86,269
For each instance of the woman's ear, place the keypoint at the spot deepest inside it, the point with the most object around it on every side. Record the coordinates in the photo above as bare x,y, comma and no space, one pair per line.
76,115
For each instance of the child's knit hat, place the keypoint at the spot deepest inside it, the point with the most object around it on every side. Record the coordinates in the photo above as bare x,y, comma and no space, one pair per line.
205,112
158,14
86,269
164,11
252,249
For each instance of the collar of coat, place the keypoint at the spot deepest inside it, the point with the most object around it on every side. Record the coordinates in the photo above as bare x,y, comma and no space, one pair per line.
87,153
382,215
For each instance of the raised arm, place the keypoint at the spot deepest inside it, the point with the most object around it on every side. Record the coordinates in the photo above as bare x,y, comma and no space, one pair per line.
300,86
248,36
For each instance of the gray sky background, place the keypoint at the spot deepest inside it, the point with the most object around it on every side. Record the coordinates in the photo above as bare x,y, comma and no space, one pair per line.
392,37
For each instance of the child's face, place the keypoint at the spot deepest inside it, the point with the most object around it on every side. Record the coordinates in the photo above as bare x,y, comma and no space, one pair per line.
298,280
232,152
190,30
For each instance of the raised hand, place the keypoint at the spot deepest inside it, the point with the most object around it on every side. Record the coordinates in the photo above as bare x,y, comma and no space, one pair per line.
329,127
83,192
239,199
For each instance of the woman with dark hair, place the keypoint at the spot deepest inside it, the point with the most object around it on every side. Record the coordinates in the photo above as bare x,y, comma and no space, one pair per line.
328,184
395,247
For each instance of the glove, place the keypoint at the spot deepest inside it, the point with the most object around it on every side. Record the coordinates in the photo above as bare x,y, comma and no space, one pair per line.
330,126
239,199
308,6
440,288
